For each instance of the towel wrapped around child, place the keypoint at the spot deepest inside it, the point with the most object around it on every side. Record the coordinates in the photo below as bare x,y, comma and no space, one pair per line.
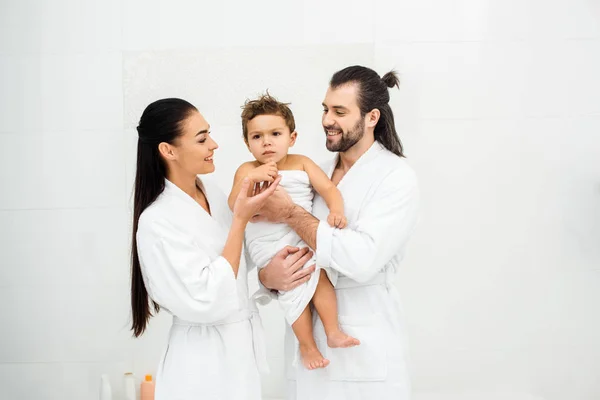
265,239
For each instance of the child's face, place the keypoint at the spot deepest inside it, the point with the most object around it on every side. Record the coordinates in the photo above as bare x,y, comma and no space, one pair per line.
269,138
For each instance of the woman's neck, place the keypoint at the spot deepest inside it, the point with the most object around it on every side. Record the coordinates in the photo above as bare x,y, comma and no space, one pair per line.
185,182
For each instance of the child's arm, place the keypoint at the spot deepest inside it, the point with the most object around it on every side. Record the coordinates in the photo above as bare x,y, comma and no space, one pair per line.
240,174
264,173
328,191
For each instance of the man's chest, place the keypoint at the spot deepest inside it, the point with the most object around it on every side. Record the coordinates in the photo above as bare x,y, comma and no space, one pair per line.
337,176
355,189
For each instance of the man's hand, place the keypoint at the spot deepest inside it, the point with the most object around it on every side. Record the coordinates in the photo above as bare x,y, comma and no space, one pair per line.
277,208
285,272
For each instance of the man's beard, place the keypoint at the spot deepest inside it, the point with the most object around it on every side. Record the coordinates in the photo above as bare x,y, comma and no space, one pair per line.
348,139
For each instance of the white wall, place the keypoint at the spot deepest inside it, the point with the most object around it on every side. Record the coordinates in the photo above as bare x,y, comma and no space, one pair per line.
499,111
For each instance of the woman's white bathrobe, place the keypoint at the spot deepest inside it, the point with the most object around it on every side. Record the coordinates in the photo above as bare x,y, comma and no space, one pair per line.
215,347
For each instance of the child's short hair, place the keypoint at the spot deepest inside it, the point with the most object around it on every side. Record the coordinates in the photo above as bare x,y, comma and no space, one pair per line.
266,105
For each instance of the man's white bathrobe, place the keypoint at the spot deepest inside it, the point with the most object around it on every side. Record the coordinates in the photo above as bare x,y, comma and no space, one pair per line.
215,347
380,196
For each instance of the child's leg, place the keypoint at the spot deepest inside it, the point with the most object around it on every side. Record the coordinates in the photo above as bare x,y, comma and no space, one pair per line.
303,329
325,303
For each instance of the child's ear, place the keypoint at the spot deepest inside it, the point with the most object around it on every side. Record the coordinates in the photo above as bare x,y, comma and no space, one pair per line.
293,137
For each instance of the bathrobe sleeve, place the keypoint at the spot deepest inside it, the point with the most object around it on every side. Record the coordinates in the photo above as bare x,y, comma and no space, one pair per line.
382,229
181,276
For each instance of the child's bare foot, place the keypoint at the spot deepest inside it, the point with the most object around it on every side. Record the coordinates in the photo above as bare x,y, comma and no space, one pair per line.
340,339
312,357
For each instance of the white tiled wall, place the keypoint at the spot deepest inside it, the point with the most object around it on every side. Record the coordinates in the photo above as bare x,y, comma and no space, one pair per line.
499,112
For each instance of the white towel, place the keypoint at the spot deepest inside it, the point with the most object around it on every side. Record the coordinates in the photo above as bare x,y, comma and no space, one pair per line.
264,240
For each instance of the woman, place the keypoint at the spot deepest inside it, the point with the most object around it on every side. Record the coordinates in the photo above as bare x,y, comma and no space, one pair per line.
186,252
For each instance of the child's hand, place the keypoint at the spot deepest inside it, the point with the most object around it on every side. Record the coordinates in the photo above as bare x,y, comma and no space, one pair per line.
337,220
265,173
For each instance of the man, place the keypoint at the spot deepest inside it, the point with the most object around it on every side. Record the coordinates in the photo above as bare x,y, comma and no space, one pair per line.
380,194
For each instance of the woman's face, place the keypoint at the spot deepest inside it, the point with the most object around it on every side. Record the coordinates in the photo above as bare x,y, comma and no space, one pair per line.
193,151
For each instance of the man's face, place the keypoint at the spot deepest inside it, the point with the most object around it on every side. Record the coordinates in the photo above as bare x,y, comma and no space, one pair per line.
342,122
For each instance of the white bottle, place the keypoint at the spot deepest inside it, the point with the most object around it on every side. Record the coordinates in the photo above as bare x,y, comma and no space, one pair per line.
129,386
105,390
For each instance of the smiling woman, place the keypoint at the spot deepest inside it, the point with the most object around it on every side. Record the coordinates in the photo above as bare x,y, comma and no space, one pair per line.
186,260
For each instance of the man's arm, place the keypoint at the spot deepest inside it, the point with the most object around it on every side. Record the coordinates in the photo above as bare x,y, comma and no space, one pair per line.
280,208
385,224
284,272
305,224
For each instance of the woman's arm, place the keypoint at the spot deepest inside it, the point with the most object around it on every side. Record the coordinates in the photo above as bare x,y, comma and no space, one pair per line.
181,272
232,251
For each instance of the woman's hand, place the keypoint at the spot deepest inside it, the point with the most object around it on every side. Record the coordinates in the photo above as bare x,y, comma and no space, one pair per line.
250,201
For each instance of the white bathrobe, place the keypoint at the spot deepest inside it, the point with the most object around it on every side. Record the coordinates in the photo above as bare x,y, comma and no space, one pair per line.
380,197
215,347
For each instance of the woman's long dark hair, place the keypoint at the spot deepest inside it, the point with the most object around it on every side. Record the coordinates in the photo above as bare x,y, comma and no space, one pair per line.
373,93
161,122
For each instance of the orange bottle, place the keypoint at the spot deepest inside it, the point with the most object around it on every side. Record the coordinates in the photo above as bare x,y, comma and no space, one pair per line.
147,389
